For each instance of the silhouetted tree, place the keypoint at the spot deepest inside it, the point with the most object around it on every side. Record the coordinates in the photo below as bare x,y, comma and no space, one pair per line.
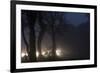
31,15
41,33
48,22
23,26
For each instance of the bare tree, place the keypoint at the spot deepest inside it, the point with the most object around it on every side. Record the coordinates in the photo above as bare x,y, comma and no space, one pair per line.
23,26
31,22
48,21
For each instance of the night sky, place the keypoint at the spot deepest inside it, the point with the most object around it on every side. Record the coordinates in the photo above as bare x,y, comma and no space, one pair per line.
71,32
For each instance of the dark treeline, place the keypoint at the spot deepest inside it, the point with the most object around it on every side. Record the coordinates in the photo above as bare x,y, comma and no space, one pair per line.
62,34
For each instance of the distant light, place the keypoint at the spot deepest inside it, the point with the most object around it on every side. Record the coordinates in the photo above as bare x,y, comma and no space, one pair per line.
37,54
26,54
23,54
45,53
58,52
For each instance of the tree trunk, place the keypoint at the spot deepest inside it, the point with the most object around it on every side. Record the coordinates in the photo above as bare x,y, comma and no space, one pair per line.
41,34
32,52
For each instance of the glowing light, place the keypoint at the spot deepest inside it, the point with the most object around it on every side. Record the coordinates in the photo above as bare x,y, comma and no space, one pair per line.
58,52
37,54
23,54
45,53
26,54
